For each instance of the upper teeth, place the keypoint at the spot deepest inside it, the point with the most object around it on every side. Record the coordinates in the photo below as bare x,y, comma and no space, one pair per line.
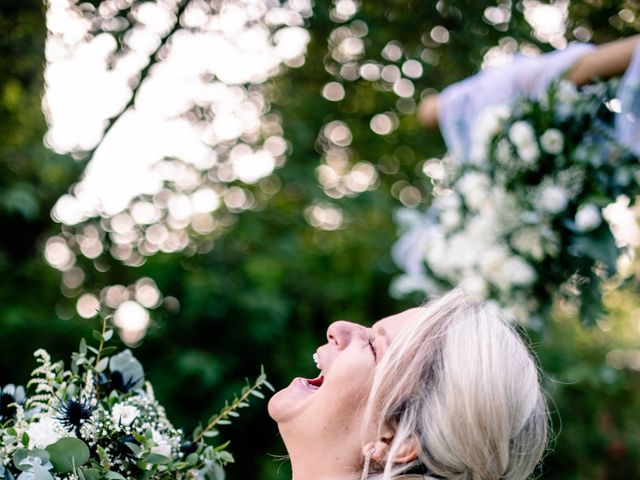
316,359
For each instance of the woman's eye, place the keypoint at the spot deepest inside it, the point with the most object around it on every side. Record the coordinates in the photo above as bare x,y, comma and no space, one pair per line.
372,347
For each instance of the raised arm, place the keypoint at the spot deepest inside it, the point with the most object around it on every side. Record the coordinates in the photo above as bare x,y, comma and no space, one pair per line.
608,60
428,111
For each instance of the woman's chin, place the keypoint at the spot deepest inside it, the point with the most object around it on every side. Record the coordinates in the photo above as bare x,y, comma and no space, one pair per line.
291,401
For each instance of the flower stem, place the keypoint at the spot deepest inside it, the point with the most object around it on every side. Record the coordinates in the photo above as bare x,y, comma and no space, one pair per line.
238,402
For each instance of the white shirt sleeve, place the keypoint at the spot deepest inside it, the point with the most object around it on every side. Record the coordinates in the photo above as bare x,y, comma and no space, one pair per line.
460,104
628,119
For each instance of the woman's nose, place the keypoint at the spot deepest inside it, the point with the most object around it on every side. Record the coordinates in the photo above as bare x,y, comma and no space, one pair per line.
340,333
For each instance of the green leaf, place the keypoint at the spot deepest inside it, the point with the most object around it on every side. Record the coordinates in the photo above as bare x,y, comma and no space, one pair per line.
105,462
41,473
107,335
225,457
83,346
97,335
134,448
269,386
599,245
591,307
114,476
157,459
23,459
67,453
90,473
109,350
102,364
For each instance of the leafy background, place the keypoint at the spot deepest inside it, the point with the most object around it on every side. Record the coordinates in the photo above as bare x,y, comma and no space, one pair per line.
267,290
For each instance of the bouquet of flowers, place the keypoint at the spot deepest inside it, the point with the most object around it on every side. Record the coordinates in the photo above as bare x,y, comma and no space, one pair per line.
99,420
522,221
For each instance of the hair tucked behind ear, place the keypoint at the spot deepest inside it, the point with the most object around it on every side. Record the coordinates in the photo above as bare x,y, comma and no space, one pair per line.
461,385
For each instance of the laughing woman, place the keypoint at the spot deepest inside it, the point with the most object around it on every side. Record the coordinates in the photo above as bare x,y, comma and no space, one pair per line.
447,390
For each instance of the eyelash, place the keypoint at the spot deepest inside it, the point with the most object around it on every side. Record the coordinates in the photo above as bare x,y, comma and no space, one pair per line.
371,339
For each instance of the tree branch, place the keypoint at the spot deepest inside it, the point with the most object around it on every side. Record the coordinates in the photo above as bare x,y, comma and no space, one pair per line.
153,60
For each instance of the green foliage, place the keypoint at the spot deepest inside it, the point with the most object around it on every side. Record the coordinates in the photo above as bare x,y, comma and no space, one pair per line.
68,454
94,423
267,290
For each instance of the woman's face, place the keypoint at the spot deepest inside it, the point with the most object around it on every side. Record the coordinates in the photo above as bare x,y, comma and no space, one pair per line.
332,405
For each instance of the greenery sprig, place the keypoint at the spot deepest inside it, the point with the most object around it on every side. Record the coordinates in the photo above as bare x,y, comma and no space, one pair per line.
100,421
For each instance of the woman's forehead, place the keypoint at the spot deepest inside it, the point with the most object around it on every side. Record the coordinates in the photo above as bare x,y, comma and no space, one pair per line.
397,321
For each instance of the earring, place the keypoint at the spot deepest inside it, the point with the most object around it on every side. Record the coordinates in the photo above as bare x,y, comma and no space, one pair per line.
367,461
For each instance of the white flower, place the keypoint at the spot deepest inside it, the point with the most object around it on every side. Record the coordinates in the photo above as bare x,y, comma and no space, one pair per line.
407,218
528,153
163,447
475,286
528,242
487,124
402,285
521,134
446,201
517,271
44,432
588,217
474,187
567,95
567,92
553,199
450,219
552,141
124,414
503,152
491,263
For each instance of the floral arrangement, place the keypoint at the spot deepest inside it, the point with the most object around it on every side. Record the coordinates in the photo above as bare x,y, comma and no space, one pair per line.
522,221
100,420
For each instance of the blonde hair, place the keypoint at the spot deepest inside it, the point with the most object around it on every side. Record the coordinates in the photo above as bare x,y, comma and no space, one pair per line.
462,386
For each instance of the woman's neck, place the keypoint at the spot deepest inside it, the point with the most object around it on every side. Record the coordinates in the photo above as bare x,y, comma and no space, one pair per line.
331,464
323,474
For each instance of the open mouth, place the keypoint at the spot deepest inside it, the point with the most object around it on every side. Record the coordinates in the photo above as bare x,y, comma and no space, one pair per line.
314,383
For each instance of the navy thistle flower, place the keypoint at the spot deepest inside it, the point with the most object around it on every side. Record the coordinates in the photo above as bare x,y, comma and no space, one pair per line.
74,413
10,396
121,447
126,374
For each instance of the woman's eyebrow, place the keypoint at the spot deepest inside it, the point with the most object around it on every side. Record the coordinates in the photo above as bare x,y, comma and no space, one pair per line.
378,330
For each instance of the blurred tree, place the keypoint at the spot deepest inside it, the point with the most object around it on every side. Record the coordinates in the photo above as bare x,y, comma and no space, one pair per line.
31,180
317,248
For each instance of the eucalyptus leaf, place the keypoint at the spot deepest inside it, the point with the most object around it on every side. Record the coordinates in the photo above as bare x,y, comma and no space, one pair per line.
114,476
90,473
157,459
68,453
128,366
102,364
41,473
211,471
24,459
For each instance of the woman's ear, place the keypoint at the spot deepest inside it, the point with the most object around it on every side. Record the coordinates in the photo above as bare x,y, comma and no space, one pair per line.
408,452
